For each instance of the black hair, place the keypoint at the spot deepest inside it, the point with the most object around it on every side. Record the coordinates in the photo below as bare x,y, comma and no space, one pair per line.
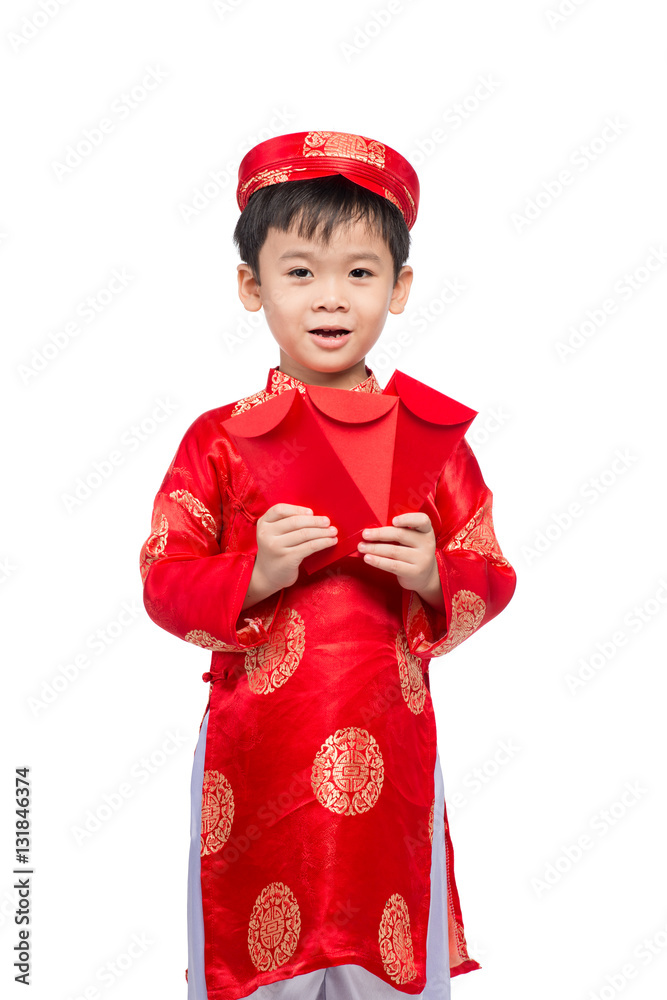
315,207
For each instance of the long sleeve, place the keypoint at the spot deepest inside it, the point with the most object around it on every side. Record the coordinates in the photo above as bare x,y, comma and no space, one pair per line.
194,582
477,581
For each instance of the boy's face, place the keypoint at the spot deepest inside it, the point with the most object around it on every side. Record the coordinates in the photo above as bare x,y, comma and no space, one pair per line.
308,287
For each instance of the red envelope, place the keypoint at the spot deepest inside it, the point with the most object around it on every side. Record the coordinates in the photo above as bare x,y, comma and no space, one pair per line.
358,457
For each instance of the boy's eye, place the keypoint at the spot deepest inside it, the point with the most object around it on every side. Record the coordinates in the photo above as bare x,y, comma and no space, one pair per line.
302,272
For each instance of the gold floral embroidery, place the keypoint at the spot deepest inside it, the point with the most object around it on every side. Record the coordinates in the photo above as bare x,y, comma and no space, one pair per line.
248,401
155,544
395,939
268,666
411,674
478,534
458,948
197,509
369,384
343,144
392,198
217,812
280,382
274,927
273,175
431,817
198,637
468,610
348,772
461,944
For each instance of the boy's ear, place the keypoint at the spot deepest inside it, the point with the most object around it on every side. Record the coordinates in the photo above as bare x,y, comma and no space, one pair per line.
249,293
401,291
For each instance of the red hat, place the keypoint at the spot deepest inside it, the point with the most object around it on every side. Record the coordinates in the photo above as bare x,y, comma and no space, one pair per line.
302,155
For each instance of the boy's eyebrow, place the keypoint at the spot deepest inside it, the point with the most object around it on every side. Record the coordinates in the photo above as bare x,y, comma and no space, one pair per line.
366,254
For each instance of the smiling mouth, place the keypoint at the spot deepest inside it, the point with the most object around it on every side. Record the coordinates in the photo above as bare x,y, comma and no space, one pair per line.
330,331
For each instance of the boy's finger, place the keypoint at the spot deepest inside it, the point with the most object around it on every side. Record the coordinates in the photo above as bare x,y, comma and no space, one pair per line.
280,510
296,522
413,519
400,536
307,533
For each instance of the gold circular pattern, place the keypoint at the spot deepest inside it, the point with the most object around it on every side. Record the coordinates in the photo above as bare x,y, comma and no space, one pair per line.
274,928
396,941
411,674
468,610
268,666
217,812
348,772
345,145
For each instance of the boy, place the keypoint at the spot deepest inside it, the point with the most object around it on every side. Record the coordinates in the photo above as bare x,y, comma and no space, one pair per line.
321,863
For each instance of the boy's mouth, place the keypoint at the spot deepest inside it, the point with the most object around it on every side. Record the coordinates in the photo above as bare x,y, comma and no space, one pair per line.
330,338
330,335
330,331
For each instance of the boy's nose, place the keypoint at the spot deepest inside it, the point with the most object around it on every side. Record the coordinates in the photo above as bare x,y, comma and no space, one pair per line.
331,297
329,293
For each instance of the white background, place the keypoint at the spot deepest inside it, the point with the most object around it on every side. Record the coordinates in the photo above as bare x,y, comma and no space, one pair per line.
551,430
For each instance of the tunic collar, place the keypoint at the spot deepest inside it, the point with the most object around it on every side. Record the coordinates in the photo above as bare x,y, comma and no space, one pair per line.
278,381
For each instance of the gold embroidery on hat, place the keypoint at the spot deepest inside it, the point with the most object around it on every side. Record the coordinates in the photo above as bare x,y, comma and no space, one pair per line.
155,544
390,196
410,672
274,927
395,940
217,812
352,147
263,178
348,772
268,666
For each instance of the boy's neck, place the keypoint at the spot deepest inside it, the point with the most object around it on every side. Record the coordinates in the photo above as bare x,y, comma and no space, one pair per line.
345,379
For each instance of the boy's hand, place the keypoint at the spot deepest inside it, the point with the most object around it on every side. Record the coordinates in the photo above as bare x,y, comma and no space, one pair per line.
406,547
286,534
